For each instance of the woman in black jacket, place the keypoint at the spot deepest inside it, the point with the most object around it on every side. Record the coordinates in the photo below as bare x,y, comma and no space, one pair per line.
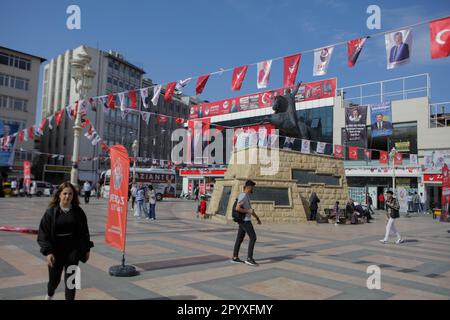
313,205
64,238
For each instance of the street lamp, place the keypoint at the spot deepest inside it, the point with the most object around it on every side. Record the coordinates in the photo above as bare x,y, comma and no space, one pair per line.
392,159
134,147
83,75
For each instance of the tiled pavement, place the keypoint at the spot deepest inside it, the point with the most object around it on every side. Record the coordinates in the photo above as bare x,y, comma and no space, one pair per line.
181,257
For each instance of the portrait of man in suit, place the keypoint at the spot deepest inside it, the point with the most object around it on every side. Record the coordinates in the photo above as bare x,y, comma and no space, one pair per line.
400,51
380,124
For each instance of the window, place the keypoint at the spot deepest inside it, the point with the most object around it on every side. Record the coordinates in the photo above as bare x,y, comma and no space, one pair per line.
4,80
4,58
115,82
109,80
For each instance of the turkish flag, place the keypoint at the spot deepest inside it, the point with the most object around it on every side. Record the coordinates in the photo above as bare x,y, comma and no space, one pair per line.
169,91
353,153
368,154
116,224
440,38
398,158
291,64
132,96
201,83
58,117
42,125
238,77
20,135
111,102
31,132
383,157
338,154
161,119
180,120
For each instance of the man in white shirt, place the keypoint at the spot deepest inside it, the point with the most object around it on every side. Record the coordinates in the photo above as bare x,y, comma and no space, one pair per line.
87,191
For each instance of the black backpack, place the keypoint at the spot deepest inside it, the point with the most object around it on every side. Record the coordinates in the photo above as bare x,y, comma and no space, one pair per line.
237,216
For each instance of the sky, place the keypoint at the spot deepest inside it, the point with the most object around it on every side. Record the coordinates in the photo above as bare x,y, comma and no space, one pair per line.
173,40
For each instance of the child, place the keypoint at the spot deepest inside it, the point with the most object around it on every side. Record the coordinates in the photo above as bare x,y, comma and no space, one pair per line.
202,207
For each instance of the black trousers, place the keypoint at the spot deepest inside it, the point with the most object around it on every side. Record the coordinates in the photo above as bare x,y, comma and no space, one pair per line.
63,259
245,227
87,195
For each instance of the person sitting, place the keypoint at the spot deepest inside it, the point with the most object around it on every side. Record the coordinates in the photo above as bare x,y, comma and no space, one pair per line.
350,212
363,212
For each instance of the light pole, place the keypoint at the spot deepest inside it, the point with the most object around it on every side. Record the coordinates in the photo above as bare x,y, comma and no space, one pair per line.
392,159
83,75
135,151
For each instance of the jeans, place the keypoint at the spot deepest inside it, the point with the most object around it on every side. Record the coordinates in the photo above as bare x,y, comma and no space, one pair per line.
62,261
141,208
245,227
152,211
87,195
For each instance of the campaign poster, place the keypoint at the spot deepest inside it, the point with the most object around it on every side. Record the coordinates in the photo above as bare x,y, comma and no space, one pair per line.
381,119
355,123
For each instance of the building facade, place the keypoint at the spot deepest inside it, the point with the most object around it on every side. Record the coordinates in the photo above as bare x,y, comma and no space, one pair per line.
19,81
113,74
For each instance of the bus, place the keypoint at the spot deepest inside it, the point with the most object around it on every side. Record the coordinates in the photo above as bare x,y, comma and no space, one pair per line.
162,180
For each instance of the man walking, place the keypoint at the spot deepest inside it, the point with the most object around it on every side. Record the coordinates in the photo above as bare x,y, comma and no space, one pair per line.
246,227
369,203
417,203
381,201
392,208
87,191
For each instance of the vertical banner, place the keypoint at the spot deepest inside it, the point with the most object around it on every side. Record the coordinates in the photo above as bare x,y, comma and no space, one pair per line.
381,119
355,123
116,224
445,193
26,175
354,48
398,48
440,38
291,64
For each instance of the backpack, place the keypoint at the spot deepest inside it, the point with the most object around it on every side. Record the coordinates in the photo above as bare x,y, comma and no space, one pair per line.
237,216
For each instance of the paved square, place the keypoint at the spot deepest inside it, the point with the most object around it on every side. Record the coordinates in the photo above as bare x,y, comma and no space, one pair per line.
181,257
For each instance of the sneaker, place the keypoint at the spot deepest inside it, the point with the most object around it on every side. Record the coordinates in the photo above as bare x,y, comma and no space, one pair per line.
236,260
383,241
251,262
336,224
47,297
399,241
147,218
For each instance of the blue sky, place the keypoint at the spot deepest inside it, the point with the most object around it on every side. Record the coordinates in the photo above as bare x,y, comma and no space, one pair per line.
173,40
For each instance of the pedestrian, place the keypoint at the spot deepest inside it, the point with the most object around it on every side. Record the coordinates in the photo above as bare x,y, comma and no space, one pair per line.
369,203
410,202
33,189
196,192
152,203
381,201
350,212
14,188
417,204
87,191
98,190
313,205
336,213
64,238
140,201
392,213
243,206
133,195
423,204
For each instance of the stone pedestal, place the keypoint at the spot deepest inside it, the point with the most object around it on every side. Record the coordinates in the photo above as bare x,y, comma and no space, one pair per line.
281,197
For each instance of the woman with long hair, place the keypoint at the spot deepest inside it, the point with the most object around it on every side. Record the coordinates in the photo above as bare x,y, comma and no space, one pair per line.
64,238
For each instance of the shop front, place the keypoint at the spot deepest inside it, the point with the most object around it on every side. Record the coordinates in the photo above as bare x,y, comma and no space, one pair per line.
203,179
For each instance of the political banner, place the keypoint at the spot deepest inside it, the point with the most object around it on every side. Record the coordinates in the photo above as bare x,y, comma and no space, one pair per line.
398,48
355,123
8,128
116,225
26,175
307,92
381,119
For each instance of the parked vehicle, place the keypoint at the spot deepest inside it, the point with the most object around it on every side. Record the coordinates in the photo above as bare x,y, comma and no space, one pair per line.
42,188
